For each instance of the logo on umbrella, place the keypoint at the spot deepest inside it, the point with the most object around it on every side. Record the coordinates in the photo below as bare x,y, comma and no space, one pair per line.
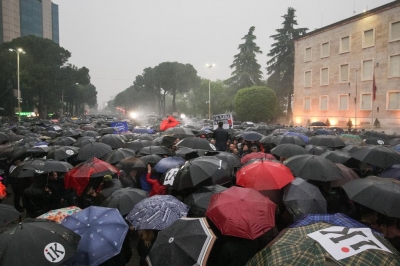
69,152
54,252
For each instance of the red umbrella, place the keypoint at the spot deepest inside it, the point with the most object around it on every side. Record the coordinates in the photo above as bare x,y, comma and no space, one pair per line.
78,177
264,175
168,123
256,155
241,212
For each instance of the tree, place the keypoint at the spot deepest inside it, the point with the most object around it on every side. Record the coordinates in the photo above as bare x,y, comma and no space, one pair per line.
247,72
257,104
281,65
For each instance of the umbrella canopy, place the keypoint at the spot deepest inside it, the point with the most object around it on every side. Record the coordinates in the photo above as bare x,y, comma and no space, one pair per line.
311,167
169,122
107,130
70,133
157,150
157,212
42,243
141,130
327,141
250,136
125,199
8,214
179,132
103,231
115,156
206,170
392,172
264,175
4,137
62,152
301,198
45,166
380,156
288,150
256,155
83,141
141,163
379,194
114,141
396,148
318,124
297,134
351,138
293,246
63,141
376,141
284,139
376,134
90,133
232,159
186,153
92,150
188,241
137,145
338,156
59,214
347,173
321,131
242,212
196,143
200,199
167,163
166,141
78,177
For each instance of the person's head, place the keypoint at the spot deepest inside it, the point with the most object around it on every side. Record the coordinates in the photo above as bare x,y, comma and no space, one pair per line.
245,147
232,146
220,124
235,151
147,236
133,173
53,176
368,215
107,178
254,148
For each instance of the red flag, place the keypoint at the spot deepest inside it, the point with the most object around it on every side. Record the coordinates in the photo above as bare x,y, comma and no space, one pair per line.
168,123
373,87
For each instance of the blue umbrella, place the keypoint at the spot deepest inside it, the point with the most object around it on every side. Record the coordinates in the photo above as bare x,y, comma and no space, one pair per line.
157,212
167,163
396,148
290,133
392,172
143,131
102,232
338,219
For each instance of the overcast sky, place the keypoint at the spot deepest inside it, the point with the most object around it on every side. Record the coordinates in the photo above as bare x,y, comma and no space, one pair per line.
117,39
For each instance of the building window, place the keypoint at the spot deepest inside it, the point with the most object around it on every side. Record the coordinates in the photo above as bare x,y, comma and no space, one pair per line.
367,69
307,79
308,55
394,31
325,50
394,100
344,73
343,101
307,103
323,103
366,101
324,76
345,44
394,66
368,38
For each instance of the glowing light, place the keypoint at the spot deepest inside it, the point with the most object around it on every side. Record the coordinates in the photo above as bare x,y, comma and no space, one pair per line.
183,116
133,115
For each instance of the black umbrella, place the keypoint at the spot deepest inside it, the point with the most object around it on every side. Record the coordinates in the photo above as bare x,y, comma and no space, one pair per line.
63,141
380,156
146,137
286,139
7,214
186,153
179,132
125,199
376,141
107,130
376,134
38,151
51,134
4,137
196,143
90,133
70,133
329,141
232,159
83,141
137,145
118,155
91,150
250,136
62,152
337,156
288,150
43,243
379,194
312,167
141,163
166,141
199,200
318,124
185,242
158,150
206,170
114,141
350,148
45,166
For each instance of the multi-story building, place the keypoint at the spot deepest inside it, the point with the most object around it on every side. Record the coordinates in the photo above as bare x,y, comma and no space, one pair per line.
28,17
336,66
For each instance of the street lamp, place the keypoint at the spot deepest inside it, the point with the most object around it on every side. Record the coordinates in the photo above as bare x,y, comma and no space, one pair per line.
18,51
62,98
209,89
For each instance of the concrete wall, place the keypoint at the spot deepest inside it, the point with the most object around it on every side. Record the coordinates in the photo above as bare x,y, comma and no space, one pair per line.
11,20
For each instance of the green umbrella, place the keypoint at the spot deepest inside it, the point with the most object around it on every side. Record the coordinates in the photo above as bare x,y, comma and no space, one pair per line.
293,247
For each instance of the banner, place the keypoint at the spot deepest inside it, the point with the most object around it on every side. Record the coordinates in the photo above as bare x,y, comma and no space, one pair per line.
120,126
227,119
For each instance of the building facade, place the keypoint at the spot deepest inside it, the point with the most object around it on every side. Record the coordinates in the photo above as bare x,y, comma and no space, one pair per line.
336,68
28,17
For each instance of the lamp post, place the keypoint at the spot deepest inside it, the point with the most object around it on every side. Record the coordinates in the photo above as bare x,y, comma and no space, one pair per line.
209,89
62,98
18,51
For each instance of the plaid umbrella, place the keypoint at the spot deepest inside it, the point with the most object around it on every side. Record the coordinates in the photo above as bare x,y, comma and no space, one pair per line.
59,214
293,247
396,148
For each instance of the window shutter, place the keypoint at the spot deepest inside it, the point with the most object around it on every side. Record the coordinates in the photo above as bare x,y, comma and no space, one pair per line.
395,31
394,100
325,49
343,102
368,38
324,76
395,66
366,101
345,44
344,73
367,69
